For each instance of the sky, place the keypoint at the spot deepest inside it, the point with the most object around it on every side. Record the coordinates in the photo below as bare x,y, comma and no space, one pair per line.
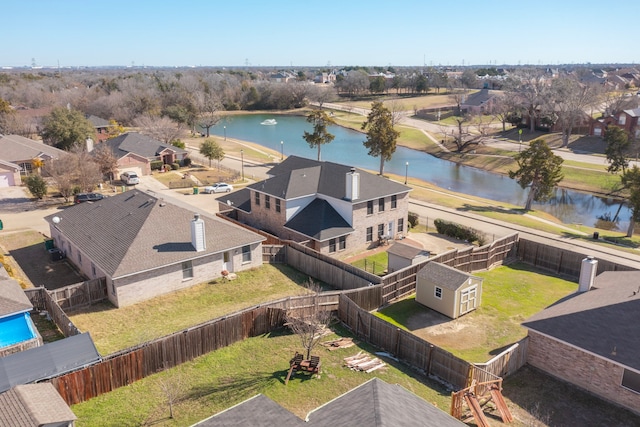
287,33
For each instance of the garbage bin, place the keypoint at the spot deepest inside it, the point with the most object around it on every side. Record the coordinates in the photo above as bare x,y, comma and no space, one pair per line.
195,190
1,225
48,244
596,235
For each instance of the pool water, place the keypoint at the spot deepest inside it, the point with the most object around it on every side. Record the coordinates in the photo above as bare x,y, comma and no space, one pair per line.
15,329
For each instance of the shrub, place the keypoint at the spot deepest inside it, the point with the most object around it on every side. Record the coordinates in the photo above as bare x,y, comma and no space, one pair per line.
186,162
175,166
458,231
36,186
178,143
156,165
413,219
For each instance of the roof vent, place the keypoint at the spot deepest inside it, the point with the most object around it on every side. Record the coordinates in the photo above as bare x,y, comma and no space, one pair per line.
198,240
588,270
352,190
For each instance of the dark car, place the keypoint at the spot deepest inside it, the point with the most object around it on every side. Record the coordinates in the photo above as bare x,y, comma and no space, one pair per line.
87,197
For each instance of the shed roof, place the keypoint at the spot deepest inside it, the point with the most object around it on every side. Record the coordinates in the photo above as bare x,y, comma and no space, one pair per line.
32,405
603,321
12,297
445,276
406,251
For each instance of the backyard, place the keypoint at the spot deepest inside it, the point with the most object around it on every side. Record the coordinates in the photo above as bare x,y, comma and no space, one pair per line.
510,294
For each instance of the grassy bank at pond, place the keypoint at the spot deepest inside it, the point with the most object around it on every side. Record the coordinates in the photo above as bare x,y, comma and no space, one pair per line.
510,294
114,329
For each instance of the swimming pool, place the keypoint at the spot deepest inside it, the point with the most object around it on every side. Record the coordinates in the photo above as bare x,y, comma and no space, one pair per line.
15,329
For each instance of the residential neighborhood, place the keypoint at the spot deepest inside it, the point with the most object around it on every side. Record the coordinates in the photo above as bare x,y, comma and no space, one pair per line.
204,228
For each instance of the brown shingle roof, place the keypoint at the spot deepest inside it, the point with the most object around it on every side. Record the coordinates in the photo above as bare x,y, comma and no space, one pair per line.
443,275
12,297
15,148
32,405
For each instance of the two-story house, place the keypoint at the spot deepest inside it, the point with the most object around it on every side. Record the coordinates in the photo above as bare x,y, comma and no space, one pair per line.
626,120
333,208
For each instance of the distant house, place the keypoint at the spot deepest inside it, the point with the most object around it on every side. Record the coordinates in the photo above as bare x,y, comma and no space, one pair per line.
21,151
17,331
374,403
101,126
401,255
136,151
9,174
145,246
590,338
447,290
626,120
333,208
35,405
481,102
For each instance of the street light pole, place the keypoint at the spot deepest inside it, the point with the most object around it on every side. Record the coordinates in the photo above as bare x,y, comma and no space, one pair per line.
242,163
406,172
225,132
281,150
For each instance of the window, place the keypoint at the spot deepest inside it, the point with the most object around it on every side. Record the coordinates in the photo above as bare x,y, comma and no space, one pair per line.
246,254
342,243
370,207
257,199
187,270
369,234
437,292
79,258
394,202
332,245
277,205
380,230
622,119
267,201
400,225
631,380
225,257
381,205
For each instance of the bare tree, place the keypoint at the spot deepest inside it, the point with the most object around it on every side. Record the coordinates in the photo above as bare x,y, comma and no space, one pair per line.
105,158
464,137
209,107
161,128
309,325
87,171
173,386
504,108
569,99
531,88
60,172
322,94
397,111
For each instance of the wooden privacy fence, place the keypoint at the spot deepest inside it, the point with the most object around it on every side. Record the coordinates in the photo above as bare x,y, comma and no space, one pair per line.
274,254
403,282
42,300
560,261
80,295
508,361
329,270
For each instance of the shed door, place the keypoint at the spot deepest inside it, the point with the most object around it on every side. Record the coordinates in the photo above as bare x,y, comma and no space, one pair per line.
468,299
6,179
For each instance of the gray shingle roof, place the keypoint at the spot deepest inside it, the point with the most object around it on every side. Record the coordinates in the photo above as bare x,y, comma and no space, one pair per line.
15,148
445,276
134,231
32,405
478,98
602,320
378,404
98,122
330,180
319,221
142,145
12,297
406,251
258,411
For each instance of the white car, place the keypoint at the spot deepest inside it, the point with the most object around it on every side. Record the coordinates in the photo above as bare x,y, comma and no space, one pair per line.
220,187
130,178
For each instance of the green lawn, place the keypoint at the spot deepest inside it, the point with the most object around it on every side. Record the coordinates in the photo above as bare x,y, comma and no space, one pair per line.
116,329
228,376
510,294
376,263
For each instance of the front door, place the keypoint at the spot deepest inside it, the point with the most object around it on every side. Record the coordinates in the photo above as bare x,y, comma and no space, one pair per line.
390,232
226,261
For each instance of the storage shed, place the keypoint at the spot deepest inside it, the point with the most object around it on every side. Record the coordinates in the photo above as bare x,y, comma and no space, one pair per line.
447,290
402,255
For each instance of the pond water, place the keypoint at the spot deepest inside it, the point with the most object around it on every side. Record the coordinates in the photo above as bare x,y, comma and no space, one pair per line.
569,206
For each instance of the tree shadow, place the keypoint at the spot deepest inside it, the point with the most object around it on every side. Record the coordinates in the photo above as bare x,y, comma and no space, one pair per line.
495,209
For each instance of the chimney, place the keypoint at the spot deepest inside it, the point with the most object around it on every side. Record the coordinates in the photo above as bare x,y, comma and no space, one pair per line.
197,234
353,185
588,270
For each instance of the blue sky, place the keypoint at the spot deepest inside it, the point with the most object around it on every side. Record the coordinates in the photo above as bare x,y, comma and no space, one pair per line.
307,33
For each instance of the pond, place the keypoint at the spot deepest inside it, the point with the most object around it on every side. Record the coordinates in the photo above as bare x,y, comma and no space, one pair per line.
286,137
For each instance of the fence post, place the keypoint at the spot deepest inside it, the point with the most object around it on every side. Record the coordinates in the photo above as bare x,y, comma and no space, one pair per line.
397,342
429,359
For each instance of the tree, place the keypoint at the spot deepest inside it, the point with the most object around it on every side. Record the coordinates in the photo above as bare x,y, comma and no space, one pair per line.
469,79
161,128
66,128
538,168
209,112
381,136
60,171
320,135
617,145
87,172
212,150
105,158
36,186
569,99
310,325
377,85
631,181
530,87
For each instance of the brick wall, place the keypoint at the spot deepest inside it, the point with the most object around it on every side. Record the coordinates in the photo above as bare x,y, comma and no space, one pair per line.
589,372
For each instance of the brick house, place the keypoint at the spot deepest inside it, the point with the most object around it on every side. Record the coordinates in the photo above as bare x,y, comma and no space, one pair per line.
626,120
481,102
333,208
101,126
590,339
21,151
145,246
135,152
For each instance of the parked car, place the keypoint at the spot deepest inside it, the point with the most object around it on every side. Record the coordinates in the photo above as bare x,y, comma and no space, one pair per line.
87,197
130,178
220,187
